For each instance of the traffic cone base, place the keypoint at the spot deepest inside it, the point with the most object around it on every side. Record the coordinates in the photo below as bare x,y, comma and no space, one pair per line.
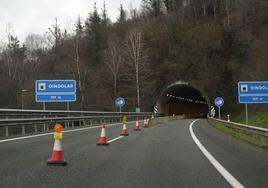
103,144
51,162
137,129
103,141
124,134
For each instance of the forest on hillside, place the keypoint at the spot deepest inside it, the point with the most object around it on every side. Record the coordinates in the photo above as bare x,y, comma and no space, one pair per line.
210,43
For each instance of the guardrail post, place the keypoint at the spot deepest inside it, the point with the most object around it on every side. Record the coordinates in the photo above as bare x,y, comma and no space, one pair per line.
23,129
44,127
6,131
228,117
72,124
35,128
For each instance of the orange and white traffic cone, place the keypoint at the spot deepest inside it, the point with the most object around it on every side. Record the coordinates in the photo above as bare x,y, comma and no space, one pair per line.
103,138
57,154
124,130
137,126
145,123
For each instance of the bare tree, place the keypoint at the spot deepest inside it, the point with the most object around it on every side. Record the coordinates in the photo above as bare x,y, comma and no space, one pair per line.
113,62
80,69
136,58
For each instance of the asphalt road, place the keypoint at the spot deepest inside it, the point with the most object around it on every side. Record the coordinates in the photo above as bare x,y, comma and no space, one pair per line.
161,156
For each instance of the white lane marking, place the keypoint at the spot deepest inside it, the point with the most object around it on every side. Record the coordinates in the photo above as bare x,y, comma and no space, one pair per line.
45,134
228,177
115,139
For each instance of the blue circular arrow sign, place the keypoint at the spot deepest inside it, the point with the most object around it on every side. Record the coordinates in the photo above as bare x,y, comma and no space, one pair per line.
219,102
120,102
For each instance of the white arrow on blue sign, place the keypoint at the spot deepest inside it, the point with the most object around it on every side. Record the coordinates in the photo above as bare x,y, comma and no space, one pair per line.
120,102
219,102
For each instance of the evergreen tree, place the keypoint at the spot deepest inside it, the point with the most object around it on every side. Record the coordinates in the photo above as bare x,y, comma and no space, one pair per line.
93,36
57,35
122,15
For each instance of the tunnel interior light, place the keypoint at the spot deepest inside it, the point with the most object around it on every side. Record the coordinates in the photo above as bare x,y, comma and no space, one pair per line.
185,99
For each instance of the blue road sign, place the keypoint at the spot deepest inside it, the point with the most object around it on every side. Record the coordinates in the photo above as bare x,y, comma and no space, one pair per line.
120,102
55,98
253,99
55,86
219,102
253,92
55,90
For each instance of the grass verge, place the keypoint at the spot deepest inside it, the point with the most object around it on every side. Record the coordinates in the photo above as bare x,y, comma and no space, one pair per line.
245,137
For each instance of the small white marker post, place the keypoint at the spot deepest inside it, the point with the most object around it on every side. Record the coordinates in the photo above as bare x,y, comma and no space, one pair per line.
228,117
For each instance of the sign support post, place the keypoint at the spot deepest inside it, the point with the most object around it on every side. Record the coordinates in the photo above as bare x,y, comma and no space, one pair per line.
44,106
68,109
219,110
246,105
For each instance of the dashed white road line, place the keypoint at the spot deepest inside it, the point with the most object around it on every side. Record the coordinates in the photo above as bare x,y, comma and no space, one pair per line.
228,177
45,134
115,139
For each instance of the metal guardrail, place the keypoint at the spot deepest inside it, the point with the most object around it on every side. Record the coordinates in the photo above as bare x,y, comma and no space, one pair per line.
17,122
4,113
258,132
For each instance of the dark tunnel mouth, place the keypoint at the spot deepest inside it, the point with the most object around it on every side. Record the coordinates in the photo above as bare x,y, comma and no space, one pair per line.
182,98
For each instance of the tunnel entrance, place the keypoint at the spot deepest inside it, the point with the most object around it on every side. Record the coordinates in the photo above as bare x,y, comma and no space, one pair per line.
181,98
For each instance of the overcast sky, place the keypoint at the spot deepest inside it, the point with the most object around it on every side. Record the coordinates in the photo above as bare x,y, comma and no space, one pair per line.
35,16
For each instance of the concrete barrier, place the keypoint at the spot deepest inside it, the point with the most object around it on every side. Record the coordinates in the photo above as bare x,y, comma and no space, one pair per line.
159,120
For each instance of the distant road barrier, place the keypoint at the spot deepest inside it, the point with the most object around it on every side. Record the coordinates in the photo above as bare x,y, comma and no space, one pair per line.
257,132
20,122
159,120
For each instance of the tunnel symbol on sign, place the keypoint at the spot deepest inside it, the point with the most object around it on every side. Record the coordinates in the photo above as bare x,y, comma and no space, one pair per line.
244,88
41,86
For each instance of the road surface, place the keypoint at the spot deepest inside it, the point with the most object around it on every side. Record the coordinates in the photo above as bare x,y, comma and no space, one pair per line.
162,156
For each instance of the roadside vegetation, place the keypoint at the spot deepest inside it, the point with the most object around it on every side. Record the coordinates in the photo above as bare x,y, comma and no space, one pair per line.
245,137
258,118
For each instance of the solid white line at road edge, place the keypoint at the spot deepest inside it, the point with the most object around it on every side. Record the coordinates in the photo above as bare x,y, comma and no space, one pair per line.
229,178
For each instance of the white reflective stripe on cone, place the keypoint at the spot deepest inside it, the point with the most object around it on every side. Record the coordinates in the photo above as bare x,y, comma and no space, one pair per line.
124,127
57,145
103,132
